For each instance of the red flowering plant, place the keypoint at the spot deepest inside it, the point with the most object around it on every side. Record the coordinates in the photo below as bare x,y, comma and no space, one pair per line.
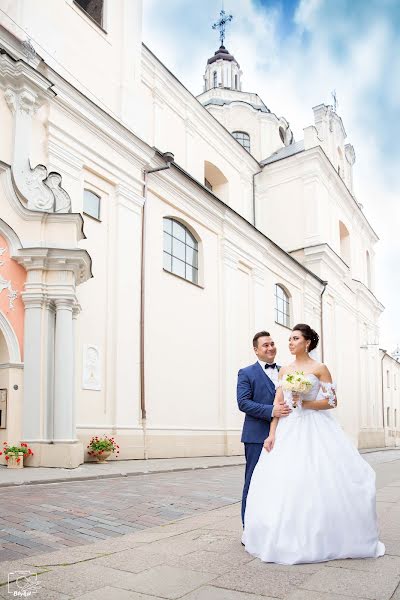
9,451
98,445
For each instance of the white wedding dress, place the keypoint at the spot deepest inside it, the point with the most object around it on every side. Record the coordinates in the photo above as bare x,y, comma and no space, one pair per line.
312,498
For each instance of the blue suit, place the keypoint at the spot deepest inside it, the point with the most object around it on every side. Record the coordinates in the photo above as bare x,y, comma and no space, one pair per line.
255,397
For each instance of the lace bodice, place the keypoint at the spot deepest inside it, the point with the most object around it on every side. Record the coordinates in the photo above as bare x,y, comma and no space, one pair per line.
318,390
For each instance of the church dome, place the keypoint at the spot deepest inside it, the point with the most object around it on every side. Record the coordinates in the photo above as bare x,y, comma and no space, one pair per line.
222,54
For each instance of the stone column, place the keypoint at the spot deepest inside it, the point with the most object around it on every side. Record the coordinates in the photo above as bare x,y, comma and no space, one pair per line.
64,422
32,422
48,333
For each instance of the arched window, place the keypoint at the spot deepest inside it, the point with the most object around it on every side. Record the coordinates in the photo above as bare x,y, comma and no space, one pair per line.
93,8
180,250
395,417
282,134
282,306
243,138
91,204
215,79
388,417
236,82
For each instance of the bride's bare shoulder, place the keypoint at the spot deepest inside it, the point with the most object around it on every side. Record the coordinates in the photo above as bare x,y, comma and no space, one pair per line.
321,370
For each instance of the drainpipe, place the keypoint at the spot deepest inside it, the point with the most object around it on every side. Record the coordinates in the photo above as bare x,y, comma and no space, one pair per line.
169,158
324,283
254,197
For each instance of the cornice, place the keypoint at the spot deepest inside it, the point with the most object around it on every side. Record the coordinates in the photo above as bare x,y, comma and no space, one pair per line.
56,259
83,110
18,75
126,196
85,152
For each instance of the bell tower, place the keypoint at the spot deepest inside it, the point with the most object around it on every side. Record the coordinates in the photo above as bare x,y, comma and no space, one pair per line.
222,70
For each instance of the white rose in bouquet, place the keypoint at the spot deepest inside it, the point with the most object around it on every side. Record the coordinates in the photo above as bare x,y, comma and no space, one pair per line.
296,383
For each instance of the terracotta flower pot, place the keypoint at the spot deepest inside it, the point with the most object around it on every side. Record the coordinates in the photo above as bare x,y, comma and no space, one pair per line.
101,457
15,461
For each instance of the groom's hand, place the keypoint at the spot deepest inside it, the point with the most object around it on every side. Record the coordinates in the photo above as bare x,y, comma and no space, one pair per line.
281,410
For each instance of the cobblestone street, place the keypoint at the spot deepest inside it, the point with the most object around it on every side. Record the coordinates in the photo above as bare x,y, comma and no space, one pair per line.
39,518
45,517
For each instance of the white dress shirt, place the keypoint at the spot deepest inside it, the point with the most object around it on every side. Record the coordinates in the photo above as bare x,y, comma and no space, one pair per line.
271,373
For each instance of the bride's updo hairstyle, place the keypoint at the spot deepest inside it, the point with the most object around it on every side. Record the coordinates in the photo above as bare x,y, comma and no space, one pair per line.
308,334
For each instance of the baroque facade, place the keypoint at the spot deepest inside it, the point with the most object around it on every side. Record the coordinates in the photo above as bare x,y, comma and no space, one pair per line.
146,234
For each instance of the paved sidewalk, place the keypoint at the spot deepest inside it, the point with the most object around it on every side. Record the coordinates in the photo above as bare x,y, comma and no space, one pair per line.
201,558
112,468
125,468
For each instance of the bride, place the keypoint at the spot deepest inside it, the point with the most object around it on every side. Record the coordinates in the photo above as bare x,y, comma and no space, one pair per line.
312,496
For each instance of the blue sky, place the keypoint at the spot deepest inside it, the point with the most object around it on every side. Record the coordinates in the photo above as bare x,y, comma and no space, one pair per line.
293,53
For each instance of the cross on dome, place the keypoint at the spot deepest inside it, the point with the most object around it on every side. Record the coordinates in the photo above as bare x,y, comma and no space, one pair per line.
221,23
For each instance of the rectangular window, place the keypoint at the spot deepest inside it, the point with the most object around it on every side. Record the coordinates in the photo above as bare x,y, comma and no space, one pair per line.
91,204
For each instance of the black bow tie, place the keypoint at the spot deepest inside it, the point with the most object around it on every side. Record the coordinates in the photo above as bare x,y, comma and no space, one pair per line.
270,366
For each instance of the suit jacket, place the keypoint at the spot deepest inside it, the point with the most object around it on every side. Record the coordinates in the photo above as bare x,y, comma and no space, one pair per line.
255,397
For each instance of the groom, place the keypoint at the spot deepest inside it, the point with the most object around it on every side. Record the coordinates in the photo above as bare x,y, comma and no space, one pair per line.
255,397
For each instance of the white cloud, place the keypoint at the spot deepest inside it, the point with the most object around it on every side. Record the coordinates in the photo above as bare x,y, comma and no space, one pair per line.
351,47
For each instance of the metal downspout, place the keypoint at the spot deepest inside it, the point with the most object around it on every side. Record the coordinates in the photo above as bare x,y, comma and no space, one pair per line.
168,157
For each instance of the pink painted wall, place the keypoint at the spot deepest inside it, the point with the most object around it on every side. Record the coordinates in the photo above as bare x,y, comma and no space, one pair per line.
12,271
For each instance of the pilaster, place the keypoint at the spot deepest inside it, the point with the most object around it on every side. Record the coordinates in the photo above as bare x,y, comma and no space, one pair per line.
64,409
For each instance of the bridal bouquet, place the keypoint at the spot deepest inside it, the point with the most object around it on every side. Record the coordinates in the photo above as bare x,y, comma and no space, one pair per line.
297,383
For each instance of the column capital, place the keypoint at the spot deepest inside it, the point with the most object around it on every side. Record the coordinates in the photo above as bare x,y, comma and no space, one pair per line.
23,100
65,303
34,299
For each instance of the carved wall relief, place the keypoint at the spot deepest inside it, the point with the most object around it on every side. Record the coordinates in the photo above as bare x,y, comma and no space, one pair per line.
91,368
39,190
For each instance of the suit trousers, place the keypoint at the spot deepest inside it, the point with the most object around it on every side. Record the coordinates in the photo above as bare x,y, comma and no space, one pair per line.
252,453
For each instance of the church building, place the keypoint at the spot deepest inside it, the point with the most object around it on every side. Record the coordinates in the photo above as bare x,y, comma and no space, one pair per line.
146,234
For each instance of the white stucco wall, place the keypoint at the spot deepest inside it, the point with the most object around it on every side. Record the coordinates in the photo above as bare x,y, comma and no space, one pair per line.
196,337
